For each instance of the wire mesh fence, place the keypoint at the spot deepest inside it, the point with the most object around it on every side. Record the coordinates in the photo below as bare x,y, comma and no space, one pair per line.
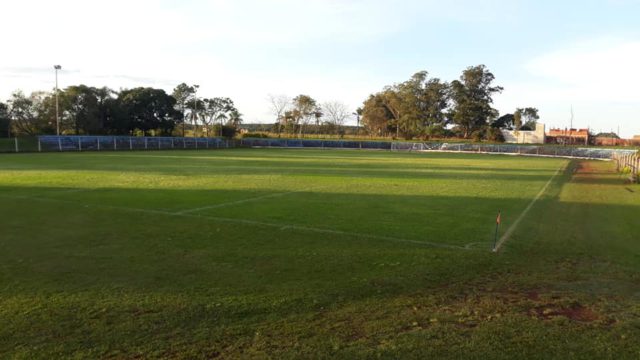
120,143
50,143
628,163
514,149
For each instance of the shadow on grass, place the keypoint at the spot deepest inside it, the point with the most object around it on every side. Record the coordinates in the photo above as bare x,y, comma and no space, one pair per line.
77,273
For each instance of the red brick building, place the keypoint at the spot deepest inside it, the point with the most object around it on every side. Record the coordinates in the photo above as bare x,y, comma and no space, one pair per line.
568,136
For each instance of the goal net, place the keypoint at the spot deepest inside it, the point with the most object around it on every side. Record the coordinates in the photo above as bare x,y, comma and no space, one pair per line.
401,146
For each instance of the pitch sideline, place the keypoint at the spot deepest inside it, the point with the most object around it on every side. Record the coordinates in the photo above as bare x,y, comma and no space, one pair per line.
524,213
251,222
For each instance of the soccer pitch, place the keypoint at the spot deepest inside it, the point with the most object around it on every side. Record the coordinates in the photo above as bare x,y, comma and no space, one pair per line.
316,253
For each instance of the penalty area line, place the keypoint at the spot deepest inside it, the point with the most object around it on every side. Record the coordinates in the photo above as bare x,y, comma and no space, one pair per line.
279,226
242,201
524,213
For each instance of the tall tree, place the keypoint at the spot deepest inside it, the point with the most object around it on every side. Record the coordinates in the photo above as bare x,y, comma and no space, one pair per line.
416,106
304,109
32,115
149,109
217,109
183,94
234,118
525,118
5,120
472,97
358,115
376,117
336,113
196,111
279,105
80,104
106,107
505,121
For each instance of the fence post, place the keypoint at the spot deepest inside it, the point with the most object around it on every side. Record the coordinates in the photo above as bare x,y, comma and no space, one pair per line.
145,143
159,147
98,143
130,143
15,140
79,143
184,143
39,146
115,144
59,144
196,140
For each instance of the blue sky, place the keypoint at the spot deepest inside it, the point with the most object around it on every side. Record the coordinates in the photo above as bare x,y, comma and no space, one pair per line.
547,54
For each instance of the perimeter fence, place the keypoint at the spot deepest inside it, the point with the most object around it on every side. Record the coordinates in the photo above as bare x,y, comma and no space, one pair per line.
51,143
511,149
48,143
629,164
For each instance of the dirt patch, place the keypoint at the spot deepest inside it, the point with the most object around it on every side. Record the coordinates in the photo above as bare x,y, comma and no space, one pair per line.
584,167
532,295
575,312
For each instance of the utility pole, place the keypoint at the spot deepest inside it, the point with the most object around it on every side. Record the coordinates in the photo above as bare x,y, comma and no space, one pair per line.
56,68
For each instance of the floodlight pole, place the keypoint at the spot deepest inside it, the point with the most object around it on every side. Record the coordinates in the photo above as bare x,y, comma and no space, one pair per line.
195,107
56,68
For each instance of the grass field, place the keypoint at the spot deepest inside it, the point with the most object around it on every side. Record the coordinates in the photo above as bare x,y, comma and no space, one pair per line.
316,254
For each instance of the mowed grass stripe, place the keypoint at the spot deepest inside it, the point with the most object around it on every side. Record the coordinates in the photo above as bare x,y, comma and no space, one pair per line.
399,201
125,277
280,226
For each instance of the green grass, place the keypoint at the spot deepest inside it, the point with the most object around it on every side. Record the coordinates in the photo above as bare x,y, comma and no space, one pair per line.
315,254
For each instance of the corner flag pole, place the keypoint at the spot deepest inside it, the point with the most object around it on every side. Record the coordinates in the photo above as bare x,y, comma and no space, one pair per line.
495,238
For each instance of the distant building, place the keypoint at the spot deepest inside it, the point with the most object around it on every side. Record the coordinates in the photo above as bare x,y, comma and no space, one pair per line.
610,141
525,136
568,136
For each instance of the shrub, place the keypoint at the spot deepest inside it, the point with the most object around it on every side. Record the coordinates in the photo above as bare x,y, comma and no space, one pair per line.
255,135
227,131
478,135
495,135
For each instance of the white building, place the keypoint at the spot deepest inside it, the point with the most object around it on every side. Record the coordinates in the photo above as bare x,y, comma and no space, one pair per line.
525,136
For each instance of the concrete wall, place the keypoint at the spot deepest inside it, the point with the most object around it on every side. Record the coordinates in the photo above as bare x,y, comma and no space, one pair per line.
525,137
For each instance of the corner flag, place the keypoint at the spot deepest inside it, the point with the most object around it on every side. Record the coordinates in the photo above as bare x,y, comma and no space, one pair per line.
495,239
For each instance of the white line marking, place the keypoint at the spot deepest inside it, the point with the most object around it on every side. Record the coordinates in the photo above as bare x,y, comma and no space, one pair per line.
231,203
71,191
513,226
282,227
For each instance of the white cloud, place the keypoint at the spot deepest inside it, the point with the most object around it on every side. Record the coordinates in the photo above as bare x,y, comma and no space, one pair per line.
598,77
600,70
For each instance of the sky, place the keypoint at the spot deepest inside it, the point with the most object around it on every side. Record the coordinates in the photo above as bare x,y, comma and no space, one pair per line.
552,55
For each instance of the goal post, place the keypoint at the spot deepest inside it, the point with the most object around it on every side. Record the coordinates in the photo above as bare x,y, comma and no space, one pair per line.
409,147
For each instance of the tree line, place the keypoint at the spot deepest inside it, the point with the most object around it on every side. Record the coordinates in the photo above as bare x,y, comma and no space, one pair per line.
420,107
86,110
303,114
429,107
